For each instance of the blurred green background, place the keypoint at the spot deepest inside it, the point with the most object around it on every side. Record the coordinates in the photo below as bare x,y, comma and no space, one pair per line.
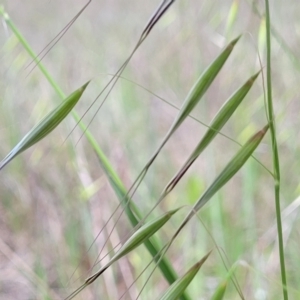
55,198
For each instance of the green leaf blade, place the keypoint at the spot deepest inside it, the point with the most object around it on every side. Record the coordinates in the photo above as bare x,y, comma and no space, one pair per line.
223,115
220,119
232,167
180,285
202,84
228,172
220,291
139,237
45,126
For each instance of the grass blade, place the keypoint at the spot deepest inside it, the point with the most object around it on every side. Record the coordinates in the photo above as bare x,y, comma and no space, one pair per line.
198,90
216,125
221,288
45,126
232,167
179,286
220,291
228,172
142,234
232,16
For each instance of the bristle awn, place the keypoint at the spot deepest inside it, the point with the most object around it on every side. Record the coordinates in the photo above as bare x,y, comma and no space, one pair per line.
179,286
220,251
228,172
45,126
160,11
164,250
156,258
114,80
152,18
56,39
157,15
76,292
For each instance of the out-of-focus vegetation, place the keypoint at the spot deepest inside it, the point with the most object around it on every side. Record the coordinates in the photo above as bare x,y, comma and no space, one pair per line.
55,198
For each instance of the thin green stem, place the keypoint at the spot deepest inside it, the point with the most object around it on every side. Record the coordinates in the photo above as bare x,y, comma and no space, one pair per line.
276,165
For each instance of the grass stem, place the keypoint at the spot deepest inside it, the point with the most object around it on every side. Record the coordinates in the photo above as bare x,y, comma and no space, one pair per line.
276,164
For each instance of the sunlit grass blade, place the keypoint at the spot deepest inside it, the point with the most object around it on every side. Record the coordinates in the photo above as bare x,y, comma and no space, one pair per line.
179,286
45,126
141,235
216,125
228,172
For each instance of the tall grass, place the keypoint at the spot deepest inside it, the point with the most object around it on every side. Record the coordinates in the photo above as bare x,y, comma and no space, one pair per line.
60,195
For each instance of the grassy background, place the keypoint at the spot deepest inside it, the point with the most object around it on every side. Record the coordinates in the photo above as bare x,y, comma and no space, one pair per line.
55,197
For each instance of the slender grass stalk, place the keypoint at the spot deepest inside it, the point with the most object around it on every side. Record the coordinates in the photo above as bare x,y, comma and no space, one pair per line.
275,154
116,183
